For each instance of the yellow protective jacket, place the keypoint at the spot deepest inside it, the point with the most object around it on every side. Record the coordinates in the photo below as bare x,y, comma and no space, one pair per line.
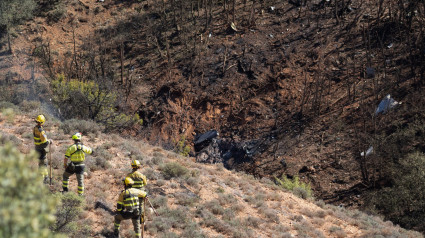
128,201
76,152
139,179
40,137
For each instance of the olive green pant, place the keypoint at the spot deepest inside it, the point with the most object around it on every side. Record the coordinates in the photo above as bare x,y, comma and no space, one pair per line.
42,161
79,171
134,218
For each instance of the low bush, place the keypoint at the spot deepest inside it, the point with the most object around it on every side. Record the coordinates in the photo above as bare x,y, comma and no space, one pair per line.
305,229
29,106
225,199
157,159
214,207
8,138
193,230
152,174
97,163
193,181
9,114
67,214
270,214
102,152
83,126
253,221
299,188
337,232
159,201
167,219
256,201
6,104
186,200
318,221
173,170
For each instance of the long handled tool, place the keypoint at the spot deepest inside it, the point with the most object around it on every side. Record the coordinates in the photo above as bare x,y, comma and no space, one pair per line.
50,162
142,217
150,204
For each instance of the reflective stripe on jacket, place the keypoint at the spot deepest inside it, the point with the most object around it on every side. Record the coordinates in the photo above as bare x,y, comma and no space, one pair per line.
39,135
139,179
129,199
76,152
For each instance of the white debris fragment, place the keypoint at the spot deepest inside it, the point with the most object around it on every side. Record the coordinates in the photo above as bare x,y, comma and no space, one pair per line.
386,104
368,152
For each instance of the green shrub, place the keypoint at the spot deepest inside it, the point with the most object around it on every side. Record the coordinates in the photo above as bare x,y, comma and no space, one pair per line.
26,206
181,146
403,203
173,170
214,207
67,214
9,114
299,188
89,100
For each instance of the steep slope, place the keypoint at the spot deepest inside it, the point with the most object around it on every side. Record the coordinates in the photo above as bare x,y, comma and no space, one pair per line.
193,200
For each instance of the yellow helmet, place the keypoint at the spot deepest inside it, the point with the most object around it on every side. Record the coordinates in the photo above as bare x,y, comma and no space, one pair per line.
135,164
40,119
76,136
128,181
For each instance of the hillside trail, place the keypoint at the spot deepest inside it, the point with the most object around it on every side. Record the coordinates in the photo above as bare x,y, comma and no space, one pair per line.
212,178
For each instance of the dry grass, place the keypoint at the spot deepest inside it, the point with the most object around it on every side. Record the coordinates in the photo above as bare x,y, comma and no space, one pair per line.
217,209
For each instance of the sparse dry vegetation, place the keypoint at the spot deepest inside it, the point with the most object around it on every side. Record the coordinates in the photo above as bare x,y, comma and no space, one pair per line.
231,212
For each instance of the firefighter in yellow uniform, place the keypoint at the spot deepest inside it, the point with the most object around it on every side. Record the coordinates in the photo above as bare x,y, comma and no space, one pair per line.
41,146
129,206
76,153
139,179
